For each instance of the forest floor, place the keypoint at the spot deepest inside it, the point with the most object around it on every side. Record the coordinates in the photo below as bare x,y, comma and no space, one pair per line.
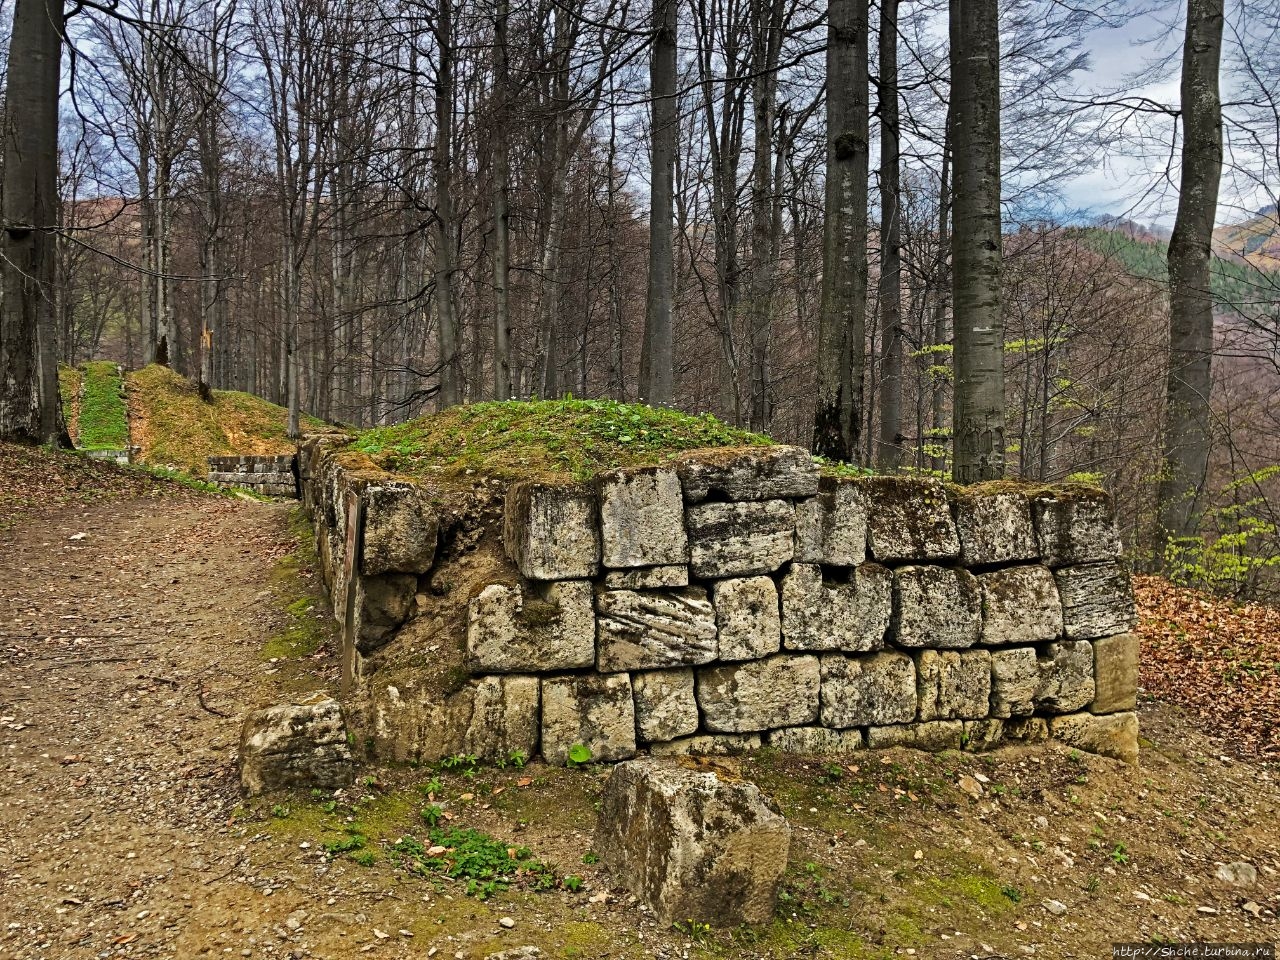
139,620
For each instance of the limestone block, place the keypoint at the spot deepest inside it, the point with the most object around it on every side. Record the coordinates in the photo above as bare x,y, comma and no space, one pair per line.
1020,605
779,691
542,627
665,705
1097,600
400,527
931,736
1115,673
690,846
747,473
551,530
846,610
953,685
983,735
1066,676
652,629
1015,678
831,528
994,527
647,578
642,518
708,745
1076,525
868,691
747,618
1026,730
1114,735
383,604
909,520
936,607
595,711
815,740
295,745
740,539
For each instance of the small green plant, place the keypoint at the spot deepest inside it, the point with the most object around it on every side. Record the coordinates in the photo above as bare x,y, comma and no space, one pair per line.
1120,854
366,858
590,857
579,755
485,864
1012,893
463,763
317,793
330,806
693,929
517,758
1092,884
573,883
433,814
280,812
354,840
433,787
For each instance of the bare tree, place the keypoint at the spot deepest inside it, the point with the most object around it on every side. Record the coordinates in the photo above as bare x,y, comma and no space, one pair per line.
657,364
889,449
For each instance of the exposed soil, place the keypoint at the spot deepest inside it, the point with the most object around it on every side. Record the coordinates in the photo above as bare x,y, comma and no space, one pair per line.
131,653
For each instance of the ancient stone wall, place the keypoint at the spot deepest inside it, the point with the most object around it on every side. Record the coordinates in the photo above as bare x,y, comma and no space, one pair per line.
735,598
269,476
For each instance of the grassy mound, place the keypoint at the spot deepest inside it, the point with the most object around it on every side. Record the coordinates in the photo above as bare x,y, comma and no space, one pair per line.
103,421
175,428
546,438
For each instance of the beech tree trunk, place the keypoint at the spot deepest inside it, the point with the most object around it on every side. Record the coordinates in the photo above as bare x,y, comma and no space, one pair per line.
501,186
978,406
657,360
889,450
1187,430
842,315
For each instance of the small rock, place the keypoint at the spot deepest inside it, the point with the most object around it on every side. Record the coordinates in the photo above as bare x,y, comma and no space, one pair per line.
1238,874
1056,907
1213,911
1041,822
507,922
970,786
78,536
1252,907
380,935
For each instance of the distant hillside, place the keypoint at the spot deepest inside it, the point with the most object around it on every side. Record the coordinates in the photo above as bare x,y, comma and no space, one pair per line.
1256,240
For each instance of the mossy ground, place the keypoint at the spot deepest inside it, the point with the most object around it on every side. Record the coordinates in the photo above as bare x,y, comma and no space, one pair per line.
94,406
547,438
304,629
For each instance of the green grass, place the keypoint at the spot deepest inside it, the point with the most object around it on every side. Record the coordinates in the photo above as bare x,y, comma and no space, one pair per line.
547,438
103,422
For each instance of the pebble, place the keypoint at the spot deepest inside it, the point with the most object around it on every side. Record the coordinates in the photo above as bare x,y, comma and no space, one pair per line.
1056,907
1238,874
507,922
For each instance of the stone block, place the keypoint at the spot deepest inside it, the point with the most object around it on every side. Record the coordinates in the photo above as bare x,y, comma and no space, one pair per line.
909,520
983,735
552,531
1026,730
400,527
541,627
383,603
1015,678
652,629
595,711
994,527
815,740
831,528
1115,673
1066,677
932,736
1097,600
849,610
747,473
690,846
297,745
642,518
1020,605
740,539
708,745
747,618
936,607
868,691
952,684
1076,525
779,691
647,578
665,705
1114,735
502,717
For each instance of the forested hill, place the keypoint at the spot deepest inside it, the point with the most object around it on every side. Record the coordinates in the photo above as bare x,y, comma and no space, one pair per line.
1238,285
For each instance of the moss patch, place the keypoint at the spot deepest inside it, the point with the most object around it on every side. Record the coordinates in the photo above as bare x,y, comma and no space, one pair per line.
307,624
102,421
69,381
553,439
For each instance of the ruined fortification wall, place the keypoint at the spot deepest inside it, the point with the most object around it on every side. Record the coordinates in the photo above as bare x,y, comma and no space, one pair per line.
731,599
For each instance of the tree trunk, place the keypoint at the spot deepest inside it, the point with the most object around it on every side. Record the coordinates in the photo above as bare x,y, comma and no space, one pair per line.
450,388
501,186
889,451
978,406
1187,430
842,313
657,359
29,408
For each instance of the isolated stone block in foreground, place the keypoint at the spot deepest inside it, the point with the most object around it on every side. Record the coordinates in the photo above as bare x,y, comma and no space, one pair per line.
868,691
652,629
1097,600
1115,673
1114,735
691,846
295,745
665,705
1076,526
936,607
831,528
1020,605
740,539
747,617
909,519
779,691
551,530
747,473
953,685
595,711
551,627
642,518
850,613
400,527
994,527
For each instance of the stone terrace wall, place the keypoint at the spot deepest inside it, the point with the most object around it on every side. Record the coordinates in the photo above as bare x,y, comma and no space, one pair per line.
270,476
735,599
